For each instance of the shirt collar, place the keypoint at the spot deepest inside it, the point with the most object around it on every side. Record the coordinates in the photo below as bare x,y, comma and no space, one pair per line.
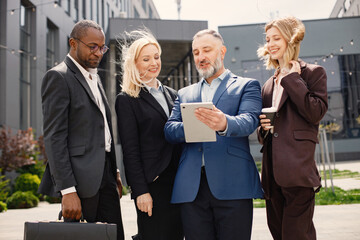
83,70
161,88
221,77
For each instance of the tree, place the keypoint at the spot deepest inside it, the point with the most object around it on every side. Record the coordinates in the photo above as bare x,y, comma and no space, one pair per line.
16,150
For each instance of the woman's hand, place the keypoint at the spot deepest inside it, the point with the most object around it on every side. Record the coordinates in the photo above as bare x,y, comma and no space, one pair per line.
265,122
145,203
295,67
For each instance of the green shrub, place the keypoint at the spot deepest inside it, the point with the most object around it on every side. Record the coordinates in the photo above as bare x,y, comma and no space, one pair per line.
4,188
27,182
22,200
37,169
125,190
3,206
52,199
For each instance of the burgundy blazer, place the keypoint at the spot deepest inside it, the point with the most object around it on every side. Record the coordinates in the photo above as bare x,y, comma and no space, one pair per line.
302,106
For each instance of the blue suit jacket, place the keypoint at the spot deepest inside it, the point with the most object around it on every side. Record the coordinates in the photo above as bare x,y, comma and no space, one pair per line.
230,169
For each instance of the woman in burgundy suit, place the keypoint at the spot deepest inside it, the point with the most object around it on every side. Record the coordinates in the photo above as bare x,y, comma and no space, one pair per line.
298,91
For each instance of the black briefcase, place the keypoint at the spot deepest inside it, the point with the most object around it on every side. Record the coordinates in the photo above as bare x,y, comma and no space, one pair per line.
59,230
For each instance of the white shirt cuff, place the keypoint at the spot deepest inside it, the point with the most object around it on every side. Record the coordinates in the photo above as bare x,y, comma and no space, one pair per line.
223,133
68,190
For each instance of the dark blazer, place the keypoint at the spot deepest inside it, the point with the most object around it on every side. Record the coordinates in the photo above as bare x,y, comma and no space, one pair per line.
141,128
73,132
296,124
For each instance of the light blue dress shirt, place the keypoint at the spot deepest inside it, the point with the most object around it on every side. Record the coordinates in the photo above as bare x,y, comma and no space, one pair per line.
207,95
208,90
158,94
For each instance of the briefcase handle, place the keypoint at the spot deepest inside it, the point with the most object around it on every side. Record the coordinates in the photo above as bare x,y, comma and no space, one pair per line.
81,218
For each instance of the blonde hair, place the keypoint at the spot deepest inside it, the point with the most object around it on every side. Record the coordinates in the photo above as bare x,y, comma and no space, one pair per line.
131,81
293,31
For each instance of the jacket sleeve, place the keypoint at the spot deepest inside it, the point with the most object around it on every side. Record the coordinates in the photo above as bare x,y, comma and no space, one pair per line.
174,127
247,118
309,94
55,104
130,143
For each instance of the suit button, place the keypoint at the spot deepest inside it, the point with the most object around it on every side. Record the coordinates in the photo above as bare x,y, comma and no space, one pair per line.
102,145
101,126
276,134
277,114
200,149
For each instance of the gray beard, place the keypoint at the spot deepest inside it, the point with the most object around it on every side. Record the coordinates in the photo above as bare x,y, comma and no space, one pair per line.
214,68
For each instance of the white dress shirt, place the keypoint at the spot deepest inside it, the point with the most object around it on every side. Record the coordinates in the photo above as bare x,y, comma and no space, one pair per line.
277,92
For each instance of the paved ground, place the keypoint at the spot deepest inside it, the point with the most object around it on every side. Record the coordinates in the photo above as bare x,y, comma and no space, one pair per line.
340,222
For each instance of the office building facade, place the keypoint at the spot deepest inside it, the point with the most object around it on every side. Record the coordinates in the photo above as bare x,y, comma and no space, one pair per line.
34,37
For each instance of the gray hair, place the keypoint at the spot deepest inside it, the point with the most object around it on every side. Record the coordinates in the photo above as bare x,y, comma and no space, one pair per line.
80,28
214,33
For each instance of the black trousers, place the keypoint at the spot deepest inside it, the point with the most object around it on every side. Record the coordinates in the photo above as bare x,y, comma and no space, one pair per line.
105,205
165,222
208,218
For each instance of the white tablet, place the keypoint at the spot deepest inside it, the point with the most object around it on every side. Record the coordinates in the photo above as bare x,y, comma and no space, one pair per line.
195,130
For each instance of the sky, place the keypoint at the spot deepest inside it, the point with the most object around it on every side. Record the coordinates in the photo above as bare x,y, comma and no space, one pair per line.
237,12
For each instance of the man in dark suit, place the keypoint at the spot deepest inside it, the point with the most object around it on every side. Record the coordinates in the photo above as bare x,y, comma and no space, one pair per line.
216,181
78,133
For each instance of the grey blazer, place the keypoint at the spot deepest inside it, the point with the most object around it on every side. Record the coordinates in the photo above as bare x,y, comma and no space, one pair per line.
73,132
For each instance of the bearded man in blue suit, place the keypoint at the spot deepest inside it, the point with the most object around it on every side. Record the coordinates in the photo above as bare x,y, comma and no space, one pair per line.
216,181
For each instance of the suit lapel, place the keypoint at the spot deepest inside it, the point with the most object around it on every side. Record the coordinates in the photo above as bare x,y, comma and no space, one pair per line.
225,83
169,100
80,77
283,99
285,94
267,93
104,98
197,92
144,94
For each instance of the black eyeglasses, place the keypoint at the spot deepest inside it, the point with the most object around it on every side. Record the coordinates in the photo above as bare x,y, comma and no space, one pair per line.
94,48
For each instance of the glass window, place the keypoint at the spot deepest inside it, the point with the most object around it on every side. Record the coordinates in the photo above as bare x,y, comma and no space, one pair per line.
76,7
51,44
91,9
107,16
144,5
25,63
97,11
102,14
84,9
150,12
349,66
136,13
67,7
